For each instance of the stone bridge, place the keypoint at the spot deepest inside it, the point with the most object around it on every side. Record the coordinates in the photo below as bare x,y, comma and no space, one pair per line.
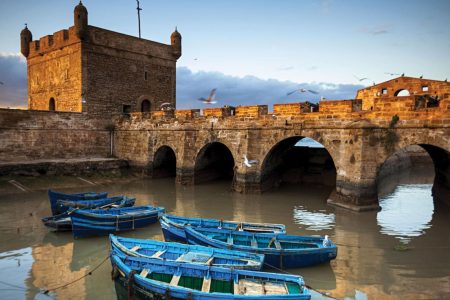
199,146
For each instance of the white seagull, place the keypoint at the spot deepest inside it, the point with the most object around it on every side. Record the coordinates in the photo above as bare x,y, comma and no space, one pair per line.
326,241
249,163
360,79
210,99
166,106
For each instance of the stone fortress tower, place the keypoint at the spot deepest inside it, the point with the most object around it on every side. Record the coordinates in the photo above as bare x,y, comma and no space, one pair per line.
101,72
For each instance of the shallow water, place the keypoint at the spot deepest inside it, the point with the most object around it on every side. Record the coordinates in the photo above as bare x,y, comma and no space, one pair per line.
398,253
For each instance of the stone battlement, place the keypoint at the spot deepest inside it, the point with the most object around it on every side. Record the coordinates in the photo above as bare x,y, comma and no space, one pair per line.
408,108
56,41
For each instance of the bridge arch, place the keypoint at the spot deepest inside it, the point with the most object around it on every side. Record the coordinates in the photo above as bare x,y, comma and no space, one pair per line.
164,162
213,161
407,154
291,161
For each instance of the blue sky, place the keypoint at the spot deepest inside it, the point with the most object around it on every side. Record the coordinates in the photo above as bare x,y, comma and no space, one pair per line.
316,43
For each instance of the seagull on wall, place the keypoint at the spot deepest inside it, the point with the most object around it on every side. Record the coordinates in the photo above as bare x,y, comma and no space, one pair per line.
249,163
210,99
302,90
166,106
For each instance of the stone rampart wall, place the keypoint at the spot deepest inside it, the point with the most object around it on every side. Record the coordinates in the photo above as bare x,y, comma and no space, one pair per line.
28,135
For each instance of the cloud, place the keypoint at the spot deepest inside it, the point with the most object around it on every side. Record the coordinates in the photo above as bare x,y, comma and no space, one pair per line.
13,75
250,90
231,90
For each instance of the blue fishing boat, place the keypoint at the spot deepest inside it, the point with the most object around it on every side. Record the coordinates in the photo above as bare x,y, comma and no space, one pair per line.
62,221
86,222
55,196
173,226
280,250
117,201
152,249
59,222
175,280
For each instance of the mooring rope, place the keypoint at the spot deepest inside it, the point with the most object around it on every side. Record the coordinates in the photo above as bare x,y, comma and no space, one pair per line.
308,286
78,279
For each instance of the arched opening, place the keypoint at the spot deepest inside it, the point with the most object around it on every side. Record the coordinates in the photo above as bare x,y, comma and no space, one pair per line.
164,163
408,184
402,93
298,160
145,106
214,161
51,104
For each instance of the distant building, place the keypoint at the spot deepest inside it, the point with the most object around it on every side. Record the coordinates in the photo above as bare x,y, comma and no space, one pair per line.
431,90
94,70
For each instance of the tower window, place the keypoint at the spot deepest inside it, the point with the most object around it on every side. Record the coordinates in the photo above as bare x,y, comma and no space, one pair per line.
145,75
126,109
51,104
384,91
425,88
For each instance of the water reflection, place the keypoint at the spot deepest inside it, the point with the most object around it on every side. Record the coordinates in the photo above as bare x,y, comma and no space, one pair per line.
407,212
17,264
313,220
367,266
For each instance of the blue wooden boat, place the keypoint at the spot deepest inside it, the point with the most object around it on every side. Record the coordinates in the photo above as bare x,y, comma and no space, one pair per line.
59,222
175,280
152,249
173,226
117,201
62,221
55,196
280,250
86,222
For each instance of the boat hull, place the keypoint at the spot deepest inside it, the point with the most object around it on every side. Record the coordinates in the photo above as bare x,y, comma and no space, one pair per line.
173,226
93,222
186,253
274,258
55,196
128,271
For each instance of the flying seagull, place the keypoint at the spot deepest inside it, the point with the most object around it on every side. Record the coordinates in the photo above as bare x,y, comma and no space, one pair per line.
249,163
302,90
360,79
210,99
1,82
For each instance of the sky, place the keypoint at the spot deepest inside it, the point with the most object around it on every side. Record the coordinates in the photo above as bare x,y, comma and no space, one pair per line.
255,51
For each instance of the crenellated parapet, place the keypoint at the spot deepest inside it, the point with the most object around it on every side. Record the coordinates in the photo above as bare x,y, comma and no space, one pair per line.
408,108
54,42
